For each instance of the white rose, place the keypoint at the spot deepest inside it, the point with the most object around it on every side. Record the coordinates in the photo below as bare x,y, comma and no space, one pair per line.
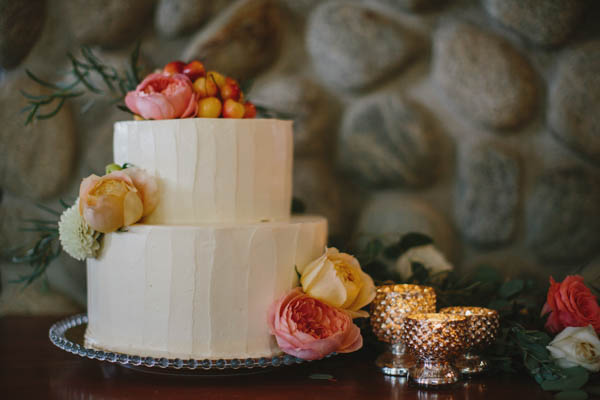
337,279
430,257
576,346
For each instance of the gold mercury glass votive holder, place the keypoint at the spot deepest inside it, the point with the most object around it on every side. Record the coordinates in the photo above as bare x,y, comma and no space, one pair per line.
391,304
434,339
484,324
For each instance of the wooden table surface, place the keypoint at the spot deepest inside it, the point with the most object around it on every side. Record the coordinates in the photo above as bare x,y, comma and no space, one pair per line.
32,368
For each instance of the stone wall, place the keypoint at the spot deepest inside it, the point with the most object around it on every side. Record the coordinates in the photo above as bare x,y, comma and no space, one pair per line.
477,122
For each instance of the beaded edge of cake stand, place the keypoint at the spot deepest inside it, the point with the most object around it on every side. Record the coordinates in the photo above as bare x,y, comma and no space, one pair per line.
58,337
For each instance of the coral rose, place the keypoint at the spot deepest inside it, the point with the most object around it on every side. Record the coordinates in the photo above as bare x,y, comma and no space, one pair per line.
162,96
571,303
110,202
310,329
337,279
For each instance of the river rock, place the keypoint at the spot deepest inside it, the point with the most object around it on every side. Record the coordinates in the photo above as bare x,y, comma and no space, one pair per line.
304,101
574,106
412,5
483,76
177,17
37,159
487,195
21,23
389,215
353,47
386,141
107,23
563,216
242,41
547,22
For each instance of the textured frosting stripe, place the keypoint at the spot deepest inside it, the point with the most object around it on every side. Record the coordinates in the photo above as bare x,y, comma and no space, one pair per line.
212,170
157,290
181,311
196,291
202,304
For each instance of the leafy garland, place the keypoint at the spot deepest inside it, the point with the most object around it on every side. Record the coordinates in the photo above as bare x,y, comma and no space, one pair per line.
521,344
83,69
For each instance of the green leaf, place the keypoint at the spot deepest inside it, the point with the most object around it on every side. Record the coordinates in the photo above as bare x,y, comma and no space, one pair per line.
571,395
511,288
530,363
487,274
33,77
574,379
125,108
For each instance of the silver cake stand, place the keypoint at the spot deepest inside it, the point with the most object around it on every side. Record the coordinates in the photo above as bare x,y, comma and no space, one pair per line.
68,335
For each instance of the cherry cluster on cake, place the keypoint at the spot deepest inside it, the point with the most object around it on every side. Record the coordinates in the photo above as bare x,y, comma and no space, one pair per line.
183,90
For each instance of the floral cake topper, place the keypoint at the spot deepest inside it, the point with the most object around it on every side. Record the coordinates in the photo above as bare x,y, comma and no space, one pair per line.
178,90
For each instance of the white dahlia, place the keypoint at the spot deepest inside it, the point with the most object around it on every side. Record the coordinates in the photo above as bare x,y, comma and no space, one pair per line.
77,238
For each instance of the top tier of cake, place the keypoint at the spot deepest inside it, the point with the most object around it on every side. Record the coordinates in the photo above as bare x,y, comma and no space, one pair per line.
212,170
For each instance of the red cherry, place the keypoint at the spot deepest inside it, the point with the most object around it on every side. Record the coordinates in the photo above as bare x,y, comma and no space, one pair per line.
174,67
250,110
194,70
230,91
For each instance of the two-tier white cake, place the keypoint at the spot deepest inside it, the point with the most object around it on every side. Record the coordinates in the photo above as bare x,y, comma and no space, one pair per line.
196,278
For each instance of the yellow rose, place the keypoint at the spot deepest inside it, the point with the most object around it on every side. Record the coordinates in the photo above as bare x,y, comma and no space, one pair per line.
337,279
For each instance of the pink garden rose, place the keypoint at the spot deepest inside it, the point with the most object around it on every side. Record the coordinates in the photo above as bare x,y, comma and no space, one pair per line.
571,303
162,96
118,199
310,329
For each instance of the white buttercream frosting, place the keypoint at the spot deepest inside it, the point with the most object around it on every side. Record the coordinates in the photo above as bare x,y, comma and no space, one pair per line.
196,291
212,170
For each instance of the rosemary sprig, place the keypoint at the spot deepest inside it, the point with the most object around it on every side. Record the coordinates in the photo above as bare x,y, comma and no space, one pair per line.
45,249
83,69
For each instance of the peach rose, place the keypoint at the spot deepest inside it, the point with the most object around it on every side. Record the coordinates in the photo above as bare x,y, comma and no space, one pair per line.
110,202
571,303
162,96
310,329
147,187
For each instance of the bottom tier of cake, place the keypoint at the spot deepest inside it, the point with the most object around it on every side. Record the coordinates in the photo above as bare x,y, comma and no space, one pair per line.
196,291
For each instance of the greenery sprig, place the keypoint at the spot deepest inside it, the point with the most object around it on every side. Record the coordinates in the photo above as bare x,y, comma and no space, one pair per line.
82,72
44,250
